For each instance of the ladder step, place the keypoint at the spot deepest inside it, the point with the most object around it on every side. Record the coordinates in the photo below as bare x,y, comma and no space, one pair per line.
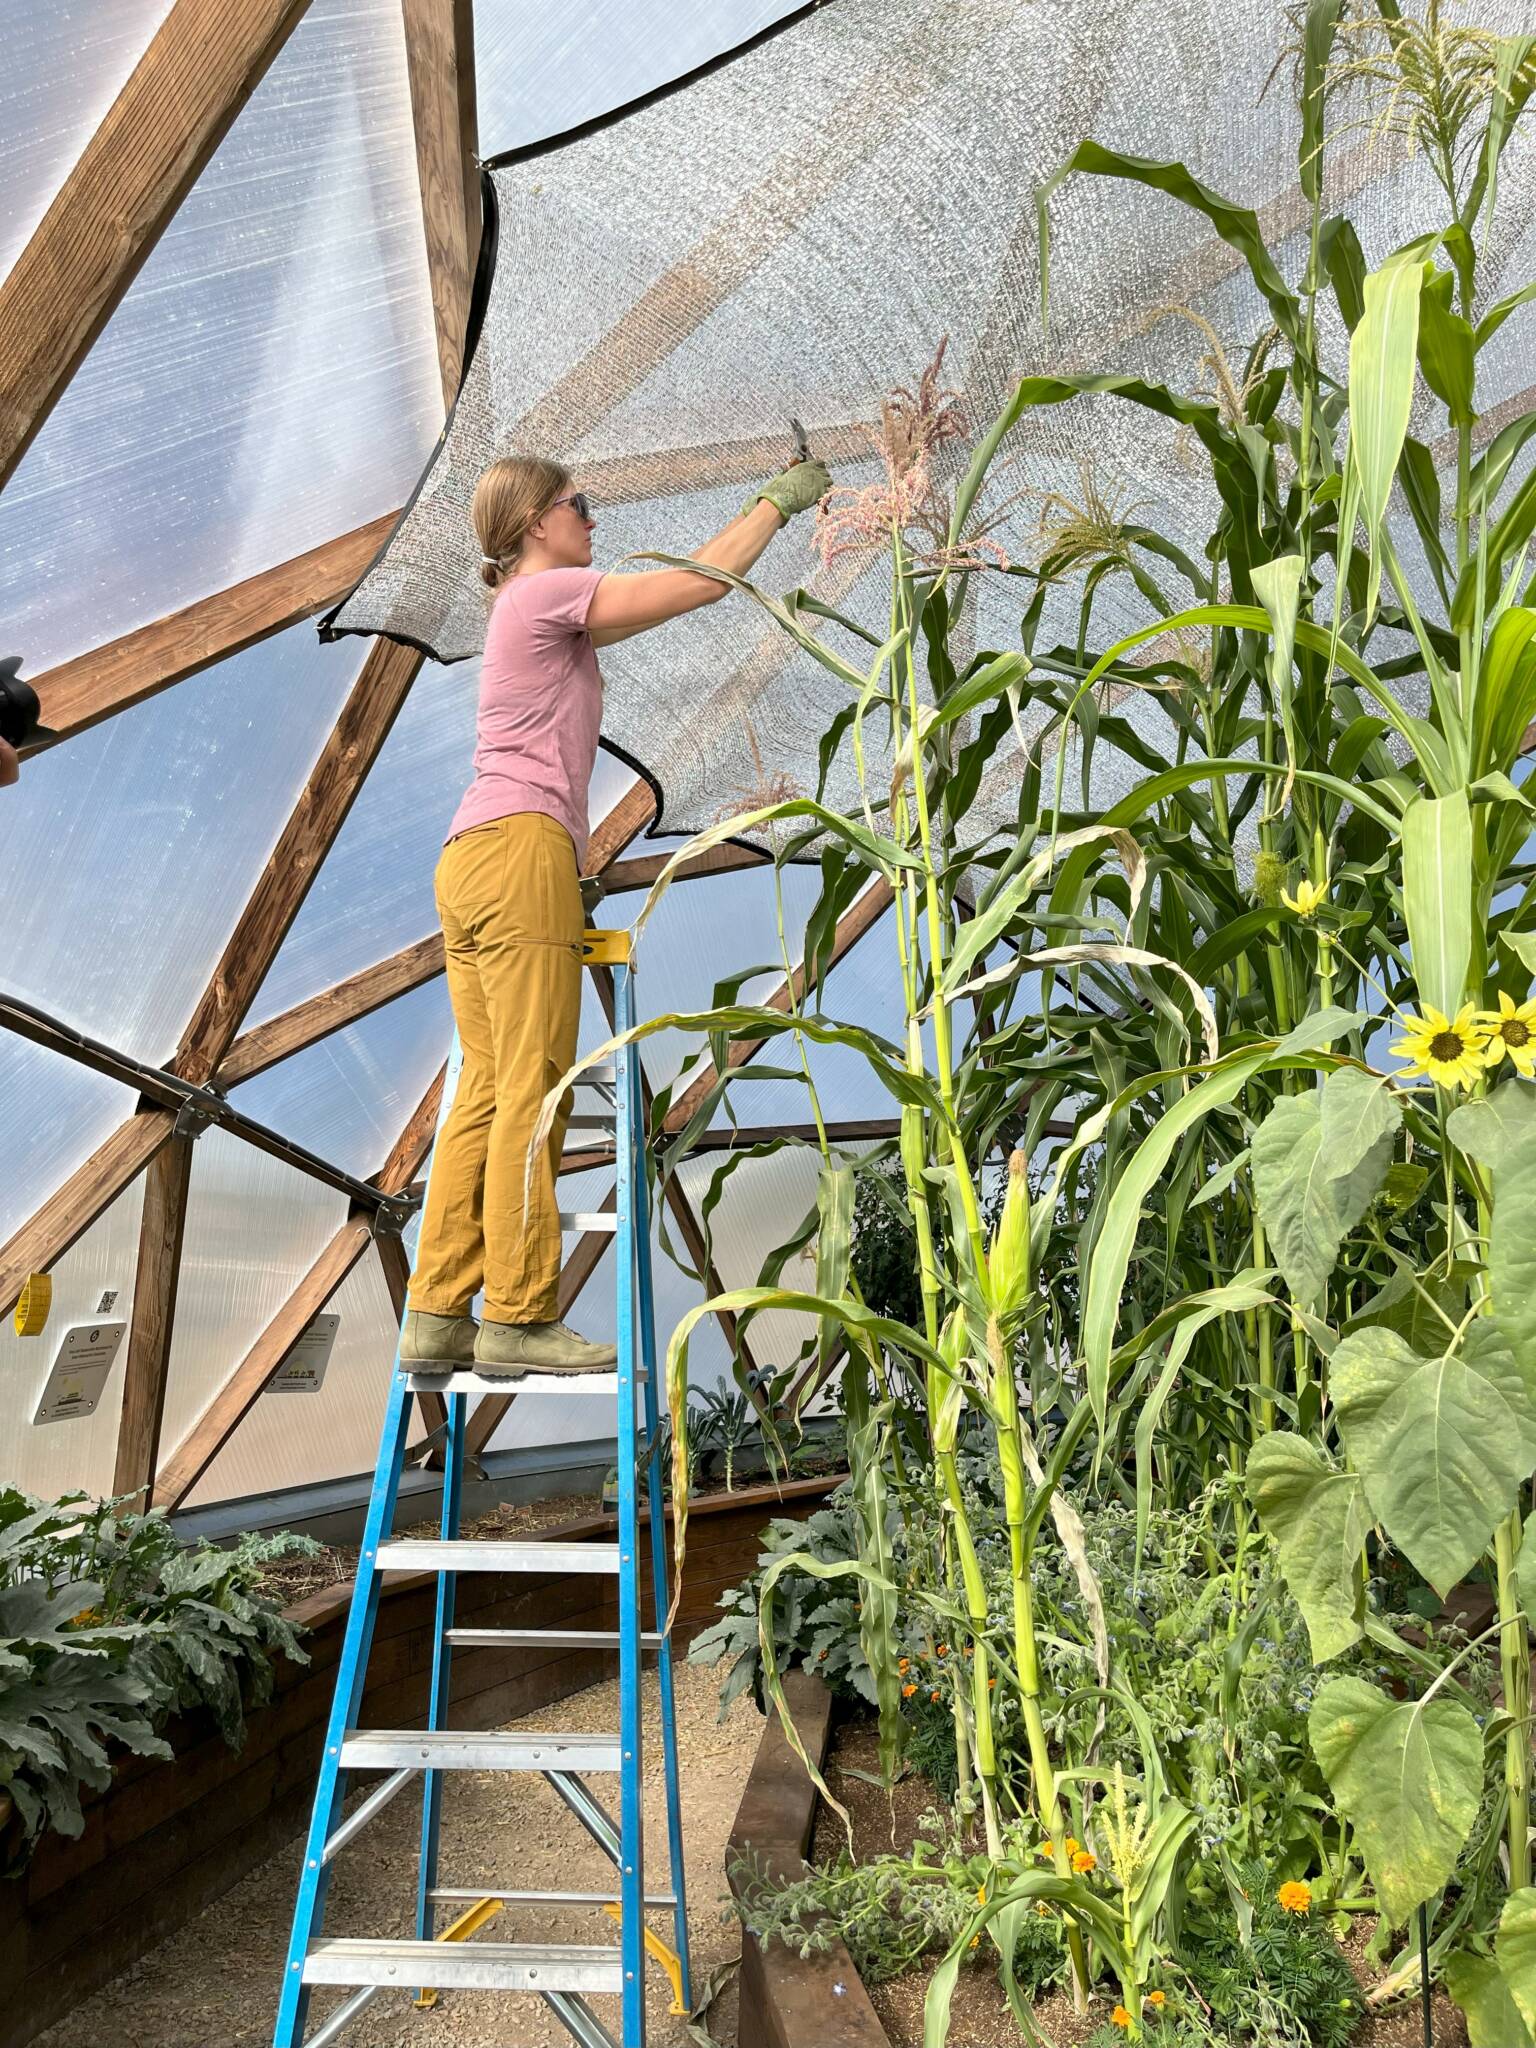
534,1638
606,1383
466,1965
590,1120
469,1895
495,1749
432,1554
603,1075
595,1220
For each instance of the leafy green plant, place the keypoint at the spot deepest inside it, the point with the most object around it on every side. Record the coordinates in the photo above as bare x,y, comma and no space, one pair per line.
108,1627
1276,1276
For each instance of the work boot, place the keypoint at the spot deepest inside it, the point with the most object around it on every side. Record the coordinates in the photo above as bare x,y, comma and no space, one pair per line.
431,1343
506,1350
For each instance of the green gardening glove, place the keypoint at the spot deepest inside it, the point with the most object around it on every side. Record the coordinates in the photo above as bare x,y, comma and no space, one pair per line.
795,489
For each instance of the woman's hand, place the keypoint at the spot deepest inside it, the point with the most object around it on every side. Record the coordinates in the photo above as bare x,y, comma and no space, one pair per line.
795,489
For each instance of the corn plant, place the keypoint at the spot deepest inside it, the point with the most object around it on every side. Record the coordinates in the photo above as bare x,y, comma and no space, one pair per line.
1280,991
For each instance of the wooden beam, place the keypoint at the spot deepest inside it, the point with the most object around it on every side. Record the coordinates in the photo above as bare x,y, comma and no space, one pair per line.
202,65
858,1130
624,876
851,927
396,1266
81,693
332,1010
629,816
161,1229
241,1391
386,675
440,58
71,1209
574,1275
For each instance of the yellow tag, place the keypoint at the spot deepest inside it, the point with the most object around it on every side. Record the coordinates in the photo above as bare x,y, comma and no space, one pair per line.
605,949
33,1304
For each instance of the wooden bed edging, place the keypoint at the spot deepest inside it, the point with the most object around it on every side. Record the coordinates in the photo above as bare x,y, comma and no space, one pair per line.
790,2001
166,1839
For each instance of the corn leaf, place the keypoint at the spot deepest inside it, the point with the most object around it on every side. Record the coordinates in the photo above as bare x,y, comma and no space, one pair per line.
1382,352
1437,896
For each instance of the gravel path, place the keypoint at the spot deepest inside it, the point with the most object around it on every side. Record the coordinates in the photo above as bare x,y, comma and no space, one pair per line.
213,1984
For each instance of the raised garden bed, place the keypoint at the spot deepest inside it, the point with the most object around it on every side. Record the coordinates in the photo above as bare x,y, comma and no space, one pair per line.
790,2001
165,1839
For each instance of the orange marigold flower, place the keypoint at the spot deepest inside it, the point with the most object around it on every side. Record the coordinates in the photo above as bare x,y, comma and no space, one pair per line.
907,1691
969,1651
942,1650
903,1663
1121,2017
1157,1998
1073,1845
934,1694
1084,1861
1295,1897
1042,1909
990,1683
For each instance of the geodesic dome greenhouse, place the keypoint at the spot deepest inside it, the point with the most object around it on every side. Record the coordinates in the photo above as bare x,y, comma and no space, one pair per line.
698,224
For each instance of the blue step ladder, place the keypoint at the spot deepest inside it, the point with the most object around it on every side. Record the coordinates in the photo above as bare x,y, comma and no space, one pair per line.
565,1976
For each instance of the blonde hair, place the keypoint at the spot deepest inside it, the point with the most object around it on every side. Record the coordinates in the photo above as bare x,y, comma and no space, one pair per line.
511,496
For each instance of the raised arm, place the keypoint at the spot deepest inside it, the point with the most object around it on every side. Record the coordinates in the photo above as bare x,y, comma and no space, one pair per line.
625,605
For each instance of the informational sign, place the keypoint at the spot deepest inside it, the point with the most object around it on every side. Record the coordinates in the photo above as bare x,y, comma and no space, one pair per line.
79,1371
303,1370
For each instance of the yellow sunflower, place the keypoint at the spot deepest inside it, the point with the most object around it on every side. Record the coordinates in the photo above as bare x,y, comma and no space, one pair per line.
1511,1033
1450,1052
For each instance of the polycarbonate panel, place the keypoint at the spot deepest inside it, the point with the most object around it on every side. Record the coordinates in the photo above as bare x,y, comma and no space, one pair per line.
254,1229
271,378
130,851
53,1115
64,66
303,1439
373,894
540,70
67,1457
349,1097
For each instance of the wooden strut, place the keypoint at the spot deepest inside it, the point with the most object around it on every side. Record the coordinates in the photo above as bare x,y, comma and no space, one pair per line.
234,1400
203,63
81,693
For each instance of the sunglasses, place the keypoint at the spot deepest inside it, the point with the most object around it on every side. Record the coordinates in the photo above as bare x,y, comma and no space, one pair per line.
579,503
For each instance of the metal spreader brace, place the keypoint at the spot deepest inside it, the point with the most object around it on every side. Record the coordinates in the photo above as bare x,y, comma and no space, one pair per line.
563,1975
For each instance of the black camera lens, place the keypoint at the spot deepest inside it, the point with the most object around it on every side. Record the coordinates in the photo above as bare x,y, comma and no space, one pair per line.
18,705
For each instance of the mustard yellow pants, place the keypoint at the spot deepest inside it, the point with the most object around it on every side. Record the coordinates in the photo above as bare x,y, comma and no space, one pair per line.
509,898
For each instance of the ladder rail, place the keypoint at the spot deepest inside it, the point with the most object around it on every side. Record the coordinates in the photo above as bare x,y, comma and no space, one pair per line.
346,1704
631,1816
655,1495
442,1654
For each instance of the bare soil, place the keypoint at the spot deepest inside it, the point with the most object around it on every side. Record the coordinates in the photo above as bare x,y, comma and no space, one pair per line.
214,1983
980,2017
291,1579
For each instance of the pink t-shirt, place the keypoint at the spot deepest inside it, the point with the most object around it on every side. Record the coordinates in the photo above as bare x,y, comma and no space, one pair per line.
541,705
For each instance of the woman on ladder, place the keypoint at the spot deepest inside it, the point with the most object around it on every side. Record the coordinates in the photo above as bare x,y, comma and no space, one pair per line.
509,895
